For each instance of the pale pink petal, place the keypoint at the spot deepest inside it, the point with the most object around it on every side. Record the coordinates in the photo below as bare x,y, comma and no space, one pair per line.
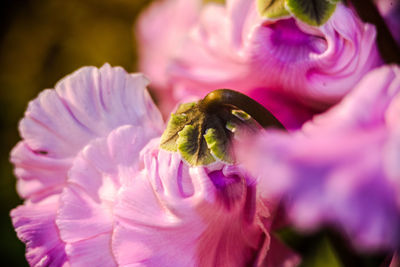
339,170
81,217
207,60
159,31
95,251
85,215
175,215
59,123
35,226
38,173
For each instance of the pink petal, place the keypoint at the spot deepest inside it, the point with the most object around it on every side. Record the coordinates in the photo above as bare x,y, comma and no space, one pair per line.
38,173
339,170
156,46
59,123
85,215
318,65
35,226
159,31
81,217
91,252
175,215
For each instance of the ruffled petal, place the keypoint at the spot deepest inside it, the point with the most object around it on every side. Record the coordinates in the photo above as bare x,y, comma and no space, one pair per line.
85,215
317,65
157,46
176,215
339,169
35,226
59,123
95,251
37,173
159,32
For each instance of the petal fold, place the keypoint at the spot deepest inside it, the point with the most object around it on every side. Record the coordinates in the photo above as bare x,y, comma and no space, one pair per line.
85,105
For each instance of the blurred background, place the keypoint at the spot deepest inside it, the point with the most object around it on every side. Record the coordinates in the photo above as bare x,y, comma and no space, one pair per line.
41,42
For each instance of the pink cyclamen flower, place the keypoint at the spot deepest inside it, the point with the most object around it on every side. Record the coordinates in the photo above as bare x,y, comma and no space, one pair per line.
232,46
98,192
342,168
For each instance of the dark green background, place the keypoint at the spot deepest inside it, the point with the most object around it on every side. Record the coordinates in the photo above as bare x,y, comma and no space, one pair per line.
41,42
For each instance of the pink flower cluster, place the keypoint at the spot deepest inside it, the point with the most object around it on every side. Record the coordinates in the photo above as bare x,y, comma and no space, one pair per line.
99,191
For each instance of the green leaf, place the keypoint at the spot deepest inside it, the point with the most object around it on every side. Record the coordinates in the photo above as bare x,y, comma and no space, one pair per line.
218,143
272,9
192,146
312,12
203,137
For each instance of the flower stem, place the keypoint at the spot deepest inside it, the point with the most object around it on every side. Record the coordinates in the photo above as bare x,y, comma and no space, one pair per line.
388,48
228,98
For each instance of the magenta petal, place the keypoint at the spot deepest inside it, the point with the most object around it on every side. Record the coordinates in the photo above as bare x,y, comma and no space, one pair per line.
59,123
317,65
35,226
175,215
339,170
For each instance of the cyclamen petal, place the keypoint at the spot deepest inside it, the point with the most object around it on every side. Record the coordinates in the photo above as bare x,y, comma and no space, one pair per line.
35,225
155,45
91,252
317,65
85,215
342,168
59,123
62,131
175,215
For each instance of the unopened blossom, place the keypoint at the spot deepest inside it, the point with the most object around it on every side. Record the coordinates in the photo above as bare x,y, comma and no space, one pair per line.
342,168
99,191
232,46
